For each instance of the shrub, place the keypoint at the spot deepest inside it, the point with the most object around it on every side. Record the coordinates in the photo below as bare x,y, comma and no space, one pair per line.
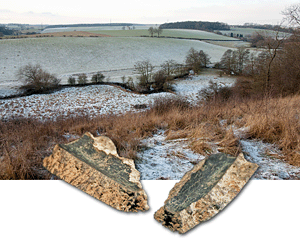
71,80
215,91
123,79
98,77
35,79
130,83
144,69
164,105
161,82
82,79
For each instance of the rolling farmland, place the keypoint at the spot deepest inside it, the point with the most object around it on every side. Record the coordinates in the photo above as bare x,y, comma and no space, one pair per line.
64,56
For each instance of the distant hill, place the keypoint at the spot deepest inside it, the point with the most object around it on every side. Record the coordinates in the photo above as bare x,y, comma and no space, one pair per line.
91,25
265,27
196,25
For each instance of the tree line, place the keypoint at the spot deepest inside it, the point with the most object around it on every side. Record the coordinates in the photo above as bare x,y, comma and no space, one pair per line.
196,25
5,31
266,27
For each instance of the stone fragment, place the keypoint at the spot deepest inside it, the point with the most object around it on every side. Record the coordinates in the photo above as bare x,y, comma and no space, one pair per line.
92,165
204,191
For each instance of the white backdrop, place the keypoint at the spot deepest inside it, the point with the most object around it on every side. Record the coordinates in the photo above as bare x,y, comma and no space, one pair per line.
56,209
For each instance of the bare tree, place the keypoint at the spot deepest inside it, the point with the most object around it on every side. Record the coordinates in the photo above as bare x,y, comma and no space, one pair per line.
158,31
234,61
144,69
82,79
204,58
193,60
98,77
227,61
242,59
34,78
169,67
151,31
272,44
292,14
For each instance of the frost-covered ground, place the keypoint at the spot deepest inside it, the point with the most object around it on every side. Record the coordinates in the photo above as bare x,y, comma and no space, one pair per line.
95,100
269,166
264,154
165,159
161,159
91,100
65,56
190,87
171,159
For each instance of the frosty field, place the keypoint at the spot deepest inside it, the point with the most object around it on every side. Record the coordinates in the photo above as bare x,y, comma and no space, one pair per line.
64,56
96,100
143,31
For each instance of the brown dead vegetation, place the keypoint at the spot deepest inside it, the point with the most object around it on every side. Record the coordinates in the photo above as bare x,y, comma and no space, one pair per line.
25,142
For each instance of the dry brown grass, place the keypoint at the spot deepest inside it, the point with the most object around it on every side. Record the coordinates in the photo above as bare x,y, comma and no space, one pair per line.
25,142
277,121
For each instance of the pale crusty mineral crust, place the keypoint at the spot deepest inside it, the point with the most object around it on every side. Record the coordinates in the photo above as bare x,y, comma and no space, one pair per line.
92,165
204,191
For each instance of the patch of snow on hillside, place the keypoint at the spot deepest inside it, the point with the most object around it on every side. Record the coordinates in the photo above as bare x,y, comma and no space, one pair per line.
190,87
165,159
91,100
269,167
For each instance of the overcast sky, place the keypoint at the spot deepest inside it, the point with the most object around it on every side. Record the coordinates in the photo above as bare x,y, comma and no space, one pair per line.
137,11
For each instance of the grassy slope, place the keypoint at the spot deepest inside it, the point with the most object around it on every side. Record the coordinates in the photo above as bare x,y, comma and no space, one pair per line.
25,142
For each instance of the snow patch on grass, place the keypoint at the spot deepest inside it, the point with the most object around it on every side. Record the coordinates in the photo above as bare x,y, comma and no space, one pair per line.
165,159
92,100
190,87
269,167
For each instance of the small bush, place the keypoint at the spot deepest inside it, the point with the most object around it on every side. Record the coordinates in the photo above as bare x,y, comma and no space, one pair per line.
123,79
82,79
130,83
215,91
35,79
71,80
162,82
163,105
98,77
143,83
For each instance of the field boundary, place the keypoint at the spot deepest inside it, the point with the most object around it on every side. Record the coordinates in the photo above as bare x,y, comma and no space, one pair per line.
122,86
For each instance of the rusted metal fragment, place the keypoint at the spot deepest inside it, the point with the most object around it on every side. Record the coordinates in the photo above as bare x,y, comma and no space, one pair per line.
92,165
204,191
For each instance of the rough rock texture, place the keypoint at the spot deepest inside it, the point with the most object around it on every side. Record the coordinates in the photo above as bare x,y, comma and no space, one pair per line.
204,191
93,165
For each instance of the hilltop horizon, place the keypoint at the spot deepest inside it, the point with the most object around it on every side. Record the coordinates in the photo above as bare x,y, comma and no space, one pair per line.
157,12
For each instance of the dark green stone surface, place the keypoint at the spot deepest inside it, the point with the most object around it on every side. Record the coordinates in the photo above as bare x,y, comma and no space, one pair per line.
109,165
201,182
